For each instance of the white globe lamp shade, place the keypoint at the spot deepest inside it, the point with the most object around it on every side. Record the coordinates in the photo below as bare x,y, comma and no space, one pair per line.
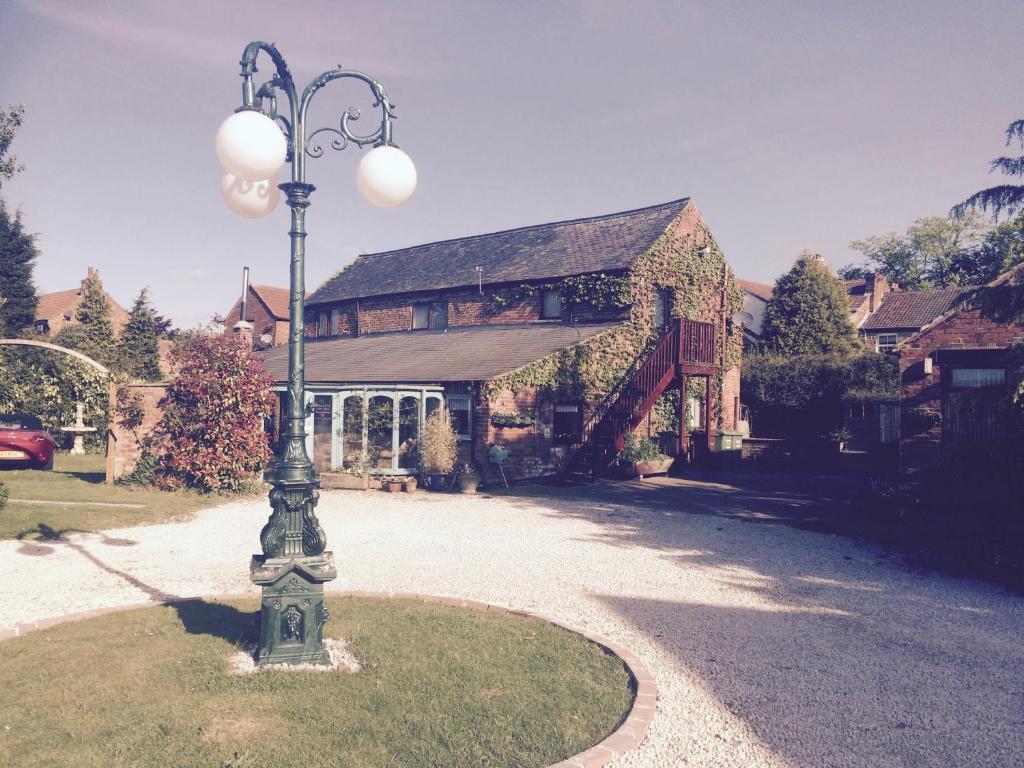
250,146
386,176
251,199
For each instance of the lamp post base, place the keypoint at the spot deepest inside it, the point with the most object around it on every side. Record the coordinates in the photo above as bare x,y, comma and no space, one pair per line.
292,613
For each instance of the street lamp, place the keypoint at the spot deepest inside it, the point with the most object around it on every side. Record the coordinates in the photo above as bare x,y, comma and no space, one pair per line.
252,146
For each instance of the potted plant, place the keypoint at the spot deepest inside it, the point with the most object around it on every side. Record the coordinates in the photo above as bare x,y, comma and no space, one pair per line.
644,457
839,437
469,479
438,449
393,484
409,484
355,476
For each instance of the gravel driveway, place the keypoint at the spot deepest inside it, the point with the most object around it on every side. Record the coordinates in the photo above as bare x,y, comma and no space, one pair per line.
771,646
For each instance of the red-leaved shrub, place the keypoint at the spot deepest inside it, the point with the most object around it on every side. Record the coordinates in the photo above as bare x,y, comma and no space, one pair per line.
211,435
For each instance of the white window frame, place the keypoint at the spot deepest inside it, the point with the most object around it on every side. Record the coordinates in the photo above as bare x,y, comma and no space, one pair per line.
885,346
976,378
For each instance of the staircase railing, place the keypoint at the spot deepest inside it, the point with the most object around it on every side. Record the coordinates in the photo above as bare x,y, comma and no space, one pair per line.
685,342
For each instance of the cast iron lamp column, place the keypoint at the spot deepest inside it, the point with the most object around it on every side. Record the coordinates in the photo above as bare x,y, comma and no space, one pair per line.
252,145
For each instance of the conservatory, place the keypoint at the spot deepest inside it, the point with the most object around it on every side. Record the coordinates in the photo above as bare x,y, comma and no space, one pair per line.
373,427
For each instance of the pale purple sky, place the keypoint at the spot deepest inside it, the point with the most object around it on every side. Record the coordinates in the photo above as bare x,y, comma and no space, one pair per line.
792,125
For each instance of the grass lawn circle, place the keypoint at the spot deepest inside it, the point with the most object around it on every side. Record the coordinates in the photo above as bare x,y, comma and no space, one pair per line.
440,685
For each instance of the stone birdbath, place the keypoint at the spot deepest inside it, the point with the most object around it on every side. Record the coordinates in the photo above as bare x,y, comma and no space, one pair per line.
78,429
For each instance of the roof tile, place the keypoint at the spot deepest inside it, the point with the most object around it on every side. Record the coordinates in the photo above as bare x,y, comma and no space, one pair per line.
542,251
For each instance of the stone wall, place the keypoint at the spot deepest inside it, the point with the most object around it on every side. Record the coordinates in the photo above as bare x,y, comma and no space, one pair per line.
123,444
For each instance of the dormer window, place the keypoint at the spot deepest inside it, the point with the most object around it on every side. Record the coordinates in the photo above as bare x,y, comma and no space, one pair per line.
551,304
432,315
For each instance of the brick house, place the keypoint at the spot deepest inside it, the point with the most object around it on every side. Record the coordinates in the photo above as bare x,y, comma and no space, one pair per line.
955,375
267,309
553,341
55,310
901,314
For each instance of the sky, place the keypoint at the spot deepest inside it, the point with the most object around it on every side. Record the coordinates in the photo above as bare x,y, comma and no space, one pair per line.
792,125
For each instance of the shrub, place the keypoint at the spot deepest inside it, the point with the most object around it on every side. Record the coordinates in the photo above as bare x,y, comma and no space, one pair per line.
4,494
635,451
802,395
438,444
211,435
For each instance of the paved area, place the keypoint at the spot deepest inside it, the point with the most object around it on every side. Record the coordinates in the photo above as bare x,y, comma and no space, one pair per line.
771,645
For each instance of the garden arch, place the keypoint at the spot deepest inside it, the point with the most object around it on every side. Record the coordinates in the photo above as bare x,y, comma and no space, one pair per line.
46,345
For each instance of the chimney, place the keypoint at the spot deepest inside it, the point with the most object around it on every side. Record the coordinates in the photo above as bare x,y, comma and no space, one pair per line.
876,286
245,293
89,273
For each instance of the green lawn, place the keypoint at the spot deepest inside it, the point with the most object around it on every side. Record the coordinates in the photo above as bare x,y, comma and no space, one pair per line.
440,686
78,480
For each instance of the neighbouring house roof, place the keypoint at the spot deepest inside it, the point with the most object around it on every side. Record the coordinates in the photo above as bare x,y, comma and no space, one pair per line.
275,299
857,291
1012,277
912,310
59,308
761,290
475,353
58,304
538,252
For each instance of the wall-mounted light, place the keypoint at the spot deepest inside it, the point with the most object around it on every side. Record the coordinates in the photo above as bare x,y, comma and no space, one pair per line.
928,366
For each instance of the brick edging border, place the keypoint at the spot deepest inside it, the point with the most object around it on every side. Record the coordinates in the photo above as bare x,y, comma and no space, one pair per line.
627,736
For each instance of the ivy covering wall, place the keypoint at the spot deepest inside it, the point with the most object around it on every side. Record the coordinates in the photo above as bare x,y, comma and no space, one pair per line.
692,268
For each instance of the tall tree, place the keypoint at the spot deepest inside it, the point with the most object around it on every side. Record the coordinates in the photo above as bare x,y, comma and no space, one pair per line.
10,121
93,334
18,300
928,254
809,311
138,353
1002,198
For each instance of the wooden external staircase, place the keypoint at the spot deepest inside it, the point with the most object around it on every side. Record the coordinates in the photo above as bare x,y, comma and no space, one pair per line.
686,348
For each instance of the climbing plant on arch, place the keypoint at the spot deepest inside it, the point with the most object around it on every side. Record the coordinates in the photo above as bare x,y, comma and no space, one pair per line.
48,380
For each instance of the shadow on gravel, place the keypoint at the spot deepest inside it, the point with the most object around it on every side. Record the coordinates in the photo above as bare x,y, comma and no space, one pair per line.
829,653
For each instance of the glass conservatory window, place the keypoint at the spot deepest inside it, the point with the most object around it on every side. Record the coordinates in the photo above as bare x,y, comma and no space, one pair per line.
352,431
380,415
408,431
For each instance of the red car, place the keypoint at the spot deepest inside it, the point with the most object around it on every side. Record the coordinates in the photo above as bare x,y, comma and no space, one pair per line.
24,442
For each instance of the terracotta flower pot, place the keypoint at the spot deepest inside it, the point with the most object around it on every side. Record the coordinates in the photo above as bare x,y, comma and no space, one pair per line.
643,468
468,482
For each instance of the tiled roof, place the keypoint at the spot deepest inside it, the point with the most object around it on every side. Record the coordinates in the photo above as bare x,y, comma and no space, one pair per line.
275,298
911,310
530,253
857,291
476,353
761,290
58,304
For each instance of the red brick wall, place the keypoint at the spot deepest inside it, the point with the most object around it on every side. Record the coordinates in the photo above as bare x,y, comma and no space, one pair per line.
731,398
123,445
921,394
466,307
532,451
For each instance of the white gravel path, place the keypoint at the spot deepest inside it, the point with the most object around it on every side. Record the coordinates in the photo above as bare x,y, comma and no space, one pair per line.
771,646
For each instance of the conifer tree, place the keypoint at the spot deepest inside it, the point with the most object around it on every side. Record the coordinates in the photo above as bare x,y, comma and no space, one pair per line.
809,312
93,334
138,354
18,300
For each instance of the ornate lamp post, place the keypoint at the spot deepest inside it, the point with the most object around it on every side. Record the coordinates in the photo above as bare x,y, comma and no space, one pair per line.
252,145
